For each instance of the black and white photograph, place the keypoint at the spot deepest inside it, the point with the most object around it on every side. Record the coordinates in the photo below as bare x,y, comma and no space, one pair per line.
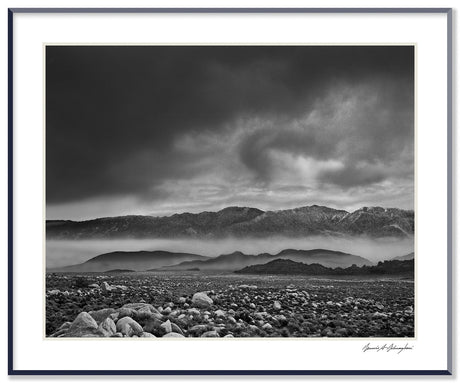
230,191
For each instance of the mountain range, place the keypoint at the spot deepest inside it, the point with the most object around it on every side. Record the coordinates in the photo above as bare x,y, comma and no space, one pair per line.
168,261
238,260
242,222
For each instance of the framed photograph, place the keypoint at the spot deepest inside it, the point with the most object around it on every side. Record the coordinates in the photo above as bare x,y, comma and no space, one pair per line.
232,183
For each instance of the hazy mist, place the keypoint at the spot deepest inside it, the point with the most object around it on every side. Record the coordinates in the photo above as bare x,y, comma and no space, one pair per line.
70,252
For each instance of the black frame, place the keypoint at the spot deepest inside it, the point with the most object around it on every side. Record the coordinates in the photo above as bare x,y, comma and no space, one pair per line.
448,371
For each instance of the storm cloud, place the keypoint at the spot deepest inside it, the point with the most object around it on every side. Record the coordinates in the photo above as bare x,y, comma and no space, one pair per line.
162,129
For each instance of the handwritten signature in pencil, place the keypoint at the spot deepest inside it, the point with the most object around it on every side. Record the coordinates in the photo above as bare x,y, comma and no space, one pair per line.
387,347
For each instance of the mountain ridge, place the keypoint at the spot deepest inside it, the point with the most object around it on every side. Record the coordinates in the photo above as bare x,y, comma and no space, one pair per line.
240,222
130,260
289,267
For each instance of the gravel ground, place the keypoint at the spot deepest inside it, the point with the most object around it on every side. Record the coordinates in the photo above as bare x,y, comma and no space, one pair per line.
166,304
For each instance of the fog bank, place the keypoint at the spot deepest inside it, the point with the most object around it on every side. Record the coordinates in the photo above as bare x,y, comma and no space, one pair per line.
69,252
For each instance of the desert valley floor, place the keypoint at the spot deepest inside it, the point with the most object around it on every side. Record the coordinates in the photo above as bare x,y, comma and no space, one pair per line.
166,304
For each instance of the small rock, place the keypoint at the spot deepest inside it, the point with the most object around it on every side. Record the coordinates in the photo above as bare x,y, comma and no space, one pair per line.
219,313
59,333
167,311
193,311
65,326
277,305
198,329
140,306
249,287
106,287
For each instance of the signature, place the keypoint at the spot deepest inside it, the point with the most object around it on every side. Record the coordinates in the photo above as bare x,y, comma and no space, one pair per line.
387,347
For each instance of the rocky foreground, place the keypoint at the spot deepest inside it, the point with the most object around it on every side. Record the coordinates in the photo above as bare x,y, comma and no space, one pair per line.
143,305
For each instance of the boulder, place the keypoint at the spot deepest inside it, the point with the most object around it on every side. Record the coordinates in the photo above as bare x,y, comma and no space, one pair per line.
167,326
140,306
117,335
107,327
201,300
210,334
147,335
176,328
154,326
126,312
128,326
84,324
100,315
173,335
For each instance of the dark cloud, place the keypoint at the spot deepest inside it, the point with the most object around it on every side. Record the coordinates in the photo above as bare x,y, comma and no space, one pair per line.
353,176
114,114
353,123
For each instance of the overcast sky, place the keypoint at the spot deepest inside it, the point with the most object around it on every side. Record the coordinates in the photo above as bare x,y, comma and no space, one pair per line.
160,130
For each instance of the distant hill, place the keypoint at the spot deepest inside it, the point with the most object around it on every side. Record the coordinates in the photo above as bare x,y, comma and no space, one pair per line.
404,257
125,260
288,267
243,222
237,260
